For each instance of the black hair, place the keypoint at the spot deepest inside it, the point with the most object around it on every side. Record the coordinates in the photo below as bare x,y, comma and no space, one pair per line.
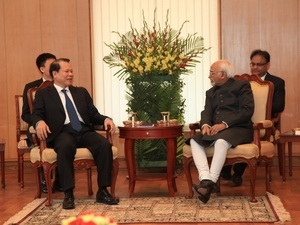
42,58
55,66
262,53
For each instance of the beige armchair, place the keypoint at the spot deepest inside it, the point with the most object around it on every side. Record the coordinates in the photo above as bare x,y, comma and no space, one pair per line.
261,149
21,135
41,156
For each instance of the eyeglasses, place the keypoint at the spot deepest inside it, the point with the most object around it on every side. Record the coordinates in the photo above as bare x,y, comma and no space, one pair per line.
258,64
214,72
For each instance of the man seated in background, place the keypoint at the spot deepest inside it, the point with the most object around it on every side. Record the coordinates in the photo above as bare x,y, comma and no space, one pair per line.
259,65
43,62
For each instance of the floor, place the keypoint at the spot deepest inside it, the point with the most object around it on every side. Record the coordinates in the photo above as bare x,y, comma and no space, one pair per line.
13,198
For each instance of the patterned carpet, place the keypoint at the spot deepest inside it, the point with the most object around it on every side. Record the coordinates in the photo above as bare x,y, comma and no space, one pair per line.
161,209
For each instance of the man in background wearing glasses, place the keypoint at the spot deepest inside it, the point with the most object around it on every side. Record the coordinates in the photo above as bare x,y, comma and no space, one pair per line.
259,65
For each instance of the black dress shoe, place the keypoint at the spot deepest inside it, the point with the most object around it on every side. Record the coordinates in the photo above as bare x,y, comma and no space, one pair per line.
236,180
103,196
68,202
215,189
204,190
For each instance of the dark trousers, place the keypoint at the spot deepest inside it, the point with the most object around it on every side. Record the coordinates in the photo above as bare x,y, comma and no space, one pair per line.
65,145
238,168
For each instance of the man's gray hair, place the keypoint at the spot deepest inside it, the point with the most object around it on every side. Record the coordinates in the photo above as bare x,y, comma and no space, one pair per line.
227,67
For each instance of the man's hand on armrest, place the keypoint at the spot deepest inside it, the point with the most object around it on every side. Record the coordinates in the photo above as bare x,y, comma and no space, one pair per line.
109,122
42,130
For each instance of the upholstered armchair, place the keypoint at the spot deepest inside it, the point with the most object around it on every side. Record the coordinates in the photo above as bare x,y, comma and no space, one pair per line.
261,149
46,157
42,156
21,135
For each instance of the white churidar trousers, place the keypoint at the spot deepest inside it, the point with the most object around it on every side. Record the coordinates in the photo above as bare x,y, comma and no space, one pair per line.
221,146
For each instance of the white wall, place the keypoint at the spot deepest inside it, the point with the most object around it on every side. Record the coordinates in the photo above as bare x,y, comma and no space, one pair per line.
114,15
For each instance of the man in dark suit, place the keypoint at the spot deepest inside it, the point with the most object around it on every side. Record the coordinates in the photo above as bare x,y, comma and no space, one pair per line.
64,131
225,122
43,62
259,65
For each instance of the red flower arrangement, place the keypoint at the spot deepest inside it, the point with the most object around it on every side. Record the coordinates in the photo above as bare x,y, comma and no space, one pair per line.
155,51
89,218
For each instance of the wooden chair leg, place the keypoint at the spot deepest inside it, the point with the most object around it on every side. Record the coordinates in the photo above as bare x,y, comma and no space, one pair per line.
21,169
187,170
252,168
174,185
279,150
89,179
2,160
21,153
268,177
37,171
19,172
115,171
280,159
47,172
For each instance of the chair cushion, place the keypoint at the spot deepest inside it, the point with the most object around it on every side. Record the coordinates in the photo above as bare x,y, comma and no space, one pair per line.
247,151
35,155
267,149
49,155
22,144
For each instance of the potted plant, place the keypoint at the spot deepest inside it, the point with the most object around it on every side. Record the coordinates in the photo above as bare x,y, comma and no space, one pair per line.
151,62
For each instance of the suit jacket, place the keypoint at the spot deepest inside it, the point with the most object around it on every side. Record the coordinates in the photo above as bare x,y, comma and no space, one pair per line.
26,115
279,94
47,106
232,103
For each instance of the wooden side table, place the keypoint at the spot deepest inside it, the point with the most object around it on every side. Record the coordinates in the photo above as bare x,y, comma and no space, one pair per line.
286,137
170,134
2,159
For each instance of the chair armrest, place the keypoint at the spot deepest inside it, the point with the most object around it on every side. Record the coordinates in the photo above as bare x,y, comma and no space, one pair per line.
32,130
276,125
256,134
257,127
108,134
193,127
35,140
266,124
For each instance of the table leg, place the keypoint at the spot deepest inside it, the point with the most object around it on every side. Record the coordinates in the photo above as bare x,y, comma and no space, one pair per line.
130,161
279,151
21,169
281,159
2,158
290,158
172,146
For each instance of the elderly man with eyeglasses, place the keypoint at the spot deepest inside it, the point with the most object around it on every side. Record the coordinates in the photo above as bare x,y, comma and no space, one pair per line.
225,122
259,65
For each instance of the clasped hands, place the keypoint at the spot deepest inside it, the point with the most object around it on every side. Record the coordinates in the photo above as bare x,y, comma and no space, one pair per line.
212,130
